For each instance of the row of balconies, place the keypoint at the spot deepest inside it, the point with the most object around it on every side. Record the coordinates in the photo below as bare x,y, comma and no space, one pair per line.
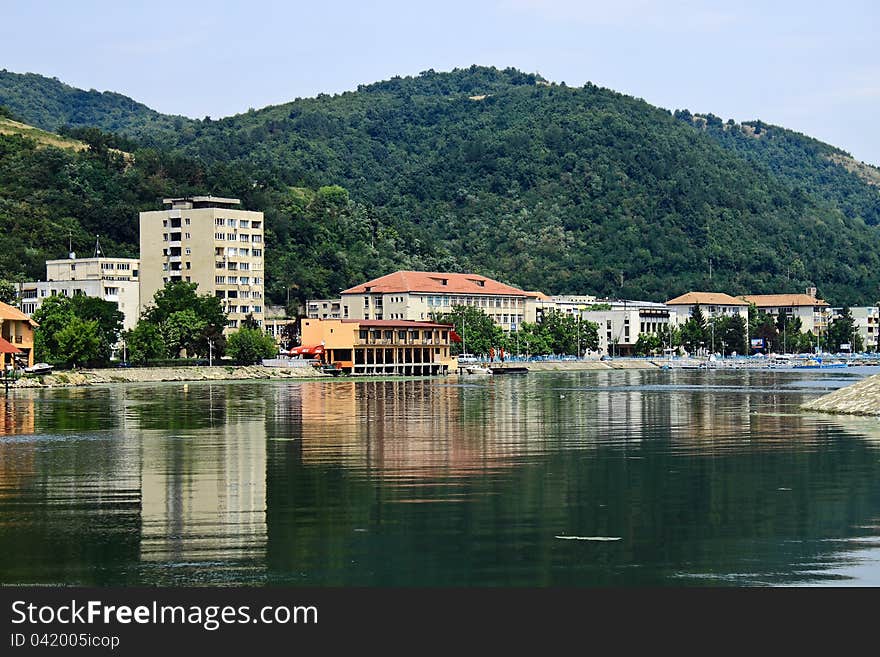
397,342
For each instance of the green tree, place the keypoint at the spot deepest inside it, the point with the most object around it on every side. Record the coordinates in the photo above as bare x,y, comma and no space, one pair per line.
8,292
693,331
185,319
57,313
109,321
648,344
531,340
144,342
732,334
79,342
478,332
843,331
248,346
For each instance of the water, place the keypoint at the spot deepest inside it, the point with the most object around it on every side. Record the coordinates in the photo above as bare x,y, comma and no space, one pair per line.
613,478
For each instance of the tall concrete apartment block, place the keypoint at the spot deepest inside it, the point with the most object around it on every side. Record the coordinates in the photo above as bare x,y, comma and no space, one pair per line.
209,241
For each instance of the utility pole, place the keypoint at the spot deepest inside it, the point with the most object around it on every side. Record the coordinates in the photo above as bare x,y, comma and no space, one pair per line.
210,352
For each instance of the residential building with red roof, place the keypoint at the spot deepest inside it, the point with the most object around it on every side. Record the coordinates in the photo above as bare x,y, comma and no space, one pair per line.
421,295
712,304
813,313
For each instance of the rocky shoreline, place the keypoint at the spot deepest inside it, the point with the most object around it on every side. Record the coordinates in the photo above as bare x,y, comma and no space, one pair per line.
158,374
862,398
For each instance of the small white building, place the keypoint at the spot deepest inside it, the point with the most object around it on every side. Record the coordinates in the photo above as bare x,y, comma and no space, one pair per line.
866,320
112,279
324,309
622,322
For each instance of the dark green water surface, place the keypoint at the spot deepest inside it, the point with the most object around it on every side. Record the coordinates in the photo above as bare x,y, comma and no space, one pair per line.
620,478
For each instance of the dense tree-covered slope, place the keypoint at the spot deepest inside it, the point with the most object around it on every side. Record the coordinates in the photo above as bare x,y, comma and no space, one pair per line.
541,185
50,104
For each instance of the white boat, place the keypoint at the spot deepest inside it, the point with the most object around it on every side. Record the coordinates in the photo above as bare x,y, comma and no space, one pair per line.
477,369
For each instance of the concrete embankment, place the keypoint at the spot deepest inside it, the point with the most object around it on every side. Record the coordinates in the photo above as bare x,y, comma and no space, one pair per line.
157,374
862,398
577,365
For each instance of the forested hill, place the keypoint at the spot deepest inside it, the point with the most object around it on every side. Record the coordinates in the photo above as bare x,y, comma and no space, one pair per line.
49,104
546,186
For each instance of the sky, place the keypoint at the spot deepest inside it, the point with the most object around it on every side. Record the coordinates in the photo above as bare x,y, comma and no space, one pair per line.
809,66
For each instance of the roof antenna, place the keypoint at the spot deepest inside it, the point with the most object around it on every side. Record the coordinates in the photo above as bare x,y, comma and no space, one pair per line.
97,247
70,253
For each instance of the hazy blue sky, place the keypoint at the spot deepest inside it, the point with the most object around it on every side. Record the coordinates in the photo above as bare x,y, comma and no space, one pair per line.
807,65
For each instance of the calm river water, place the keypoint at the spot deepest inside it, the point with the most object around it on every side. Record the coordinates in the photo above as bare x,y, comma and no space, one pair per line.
613,478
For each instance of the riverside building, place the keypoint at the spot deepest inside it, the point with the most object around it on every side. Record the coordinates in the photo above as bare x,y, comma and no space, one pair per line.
419,296
712,304
206,240
379,346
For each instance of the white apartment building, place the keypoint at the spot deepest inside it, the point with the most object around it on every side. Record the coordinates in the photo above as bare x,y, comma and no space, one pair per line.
209,241
622,322
866,320
111,279
812,312
418,295
324,309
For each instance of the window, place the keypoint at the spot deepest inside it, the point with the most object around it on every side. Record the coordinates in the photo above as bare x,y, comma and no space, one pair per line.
187,236
164,223
186,221
230,237
244,237
123,266
221,264
219,236
219,222
164,237
220,280
244,223
256,224
256,238
244,280
244,265
258,309
258,253
231,251
188,251
188,264
244,252
258,280
111,291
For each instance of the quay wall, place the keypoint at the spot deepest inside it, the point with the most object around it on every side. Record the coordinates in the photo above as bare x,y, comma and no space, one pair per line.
88,377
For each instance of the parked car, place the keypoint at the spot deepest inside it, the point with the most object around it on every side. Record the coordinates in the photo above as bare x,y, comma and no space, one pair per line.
464,359
39,368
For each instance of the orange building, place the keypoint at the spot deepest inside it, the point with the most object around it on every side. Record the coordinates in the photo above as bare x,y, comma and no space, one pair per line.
363,346
17,329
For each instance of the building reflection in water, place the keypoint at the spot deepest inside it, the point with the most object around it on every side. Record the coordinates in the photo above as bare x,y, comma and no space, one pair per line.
203,485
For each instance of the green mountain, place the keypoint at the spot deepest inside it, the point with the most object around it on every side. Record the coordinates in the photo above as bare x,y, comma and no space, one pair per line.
49,104
497,171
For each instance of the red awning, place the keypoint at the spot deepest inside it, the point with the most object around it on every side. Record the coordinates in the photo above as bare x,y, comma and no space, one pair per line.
455,337
307,350
6,347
